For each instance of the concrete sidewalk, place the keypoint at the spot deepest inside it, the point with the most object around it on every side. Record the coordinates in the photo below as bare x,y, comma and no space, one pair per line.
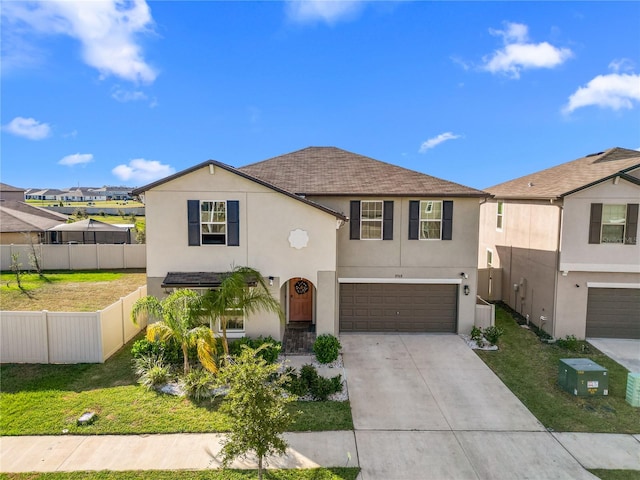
164,452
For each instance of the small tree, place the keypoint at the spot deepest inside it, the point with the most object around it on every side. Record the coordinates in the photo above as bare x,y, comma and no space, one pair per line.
177,320
16,268
257,407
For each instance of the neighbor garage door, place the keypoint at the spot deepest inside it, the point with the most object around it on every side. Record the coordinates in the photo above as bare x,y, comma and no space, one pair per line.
613,313
380,307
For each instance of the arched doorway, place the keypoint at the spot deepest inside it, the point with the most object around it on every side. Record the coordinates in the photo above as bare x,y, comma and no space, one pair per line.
300,292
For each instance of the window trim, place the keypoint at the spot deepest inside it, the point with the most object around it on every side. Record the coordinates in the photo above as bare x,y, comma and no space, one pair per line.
380,220
421,220
500,216
233,330
489,258
225,223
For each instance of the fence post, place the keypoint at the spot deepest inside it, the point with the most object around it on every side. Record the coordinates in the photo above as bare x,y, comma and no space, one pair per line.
45,318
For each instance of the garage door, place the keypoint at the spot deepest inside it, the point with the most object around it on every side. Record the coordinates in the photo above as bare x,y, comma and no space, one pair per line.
368,307
613,313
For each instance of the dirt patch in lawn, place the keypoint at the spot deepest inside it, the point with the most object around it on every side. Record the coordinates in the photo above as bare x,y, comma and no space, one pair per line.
62,294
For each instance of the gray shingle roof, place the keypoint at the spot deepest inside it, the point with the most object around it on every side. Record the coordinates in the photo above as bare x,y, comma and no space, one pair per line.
569,177
22,217
318,171
9,188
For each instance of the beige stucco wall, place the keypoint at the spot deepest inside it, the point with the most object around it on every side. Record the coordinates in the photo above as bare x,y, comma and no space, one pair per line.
406,259
18,238
577,254
266,220
526,250
572,298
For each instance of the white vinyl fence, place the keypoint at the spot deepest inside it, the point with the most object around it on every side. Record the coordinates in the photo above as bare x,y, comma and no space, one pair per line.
485,313
77,256
68,337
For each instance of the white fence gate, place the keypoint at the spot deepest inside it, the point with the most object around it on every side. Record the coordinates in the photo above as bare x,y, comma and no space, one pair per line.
68,337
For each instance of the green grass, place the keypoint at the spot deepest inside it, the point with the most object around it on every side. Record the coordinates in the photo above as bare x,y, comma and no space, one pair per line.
530,369
339,473
96,204
117,219
616,474
47,399
74,291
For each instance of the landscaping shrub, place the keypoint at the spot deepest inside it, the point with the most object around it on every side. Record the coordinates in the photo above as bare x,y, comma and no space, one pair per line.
308,382
476,336
493,334
170,351
152,371
197,384
326,348
269,354
571,343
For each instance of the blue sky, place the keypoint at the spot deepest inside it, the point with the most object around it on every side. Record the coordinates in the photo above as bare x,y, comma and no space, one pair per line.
125,92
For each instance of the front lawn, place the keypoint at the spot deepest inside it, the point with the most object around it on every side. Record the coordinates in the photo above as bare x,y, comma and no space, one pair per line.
48,399
70,291
530,369
338,473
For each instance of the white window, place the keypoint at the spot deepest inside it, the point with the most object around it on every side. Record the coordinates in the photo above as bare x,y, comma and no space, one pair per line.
489,257
430,220
371,220
500,215
234,320
613,223
213,222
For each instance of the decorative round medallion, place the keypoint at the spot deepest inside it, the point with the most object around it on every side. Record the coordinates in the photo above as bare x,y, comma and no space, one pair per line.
298,239
301,287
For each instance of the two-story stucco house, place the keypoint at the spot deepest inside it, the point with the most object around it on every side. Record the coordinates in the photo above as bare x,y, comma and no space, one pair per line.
560,246
347,242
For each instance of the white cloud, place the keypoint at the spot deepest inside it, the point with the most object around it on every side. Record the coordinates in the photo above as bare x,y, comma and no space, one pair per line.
106,30
517,54
621,65
328,11
437,140
615,91
76,159
142,170
28,128
124,96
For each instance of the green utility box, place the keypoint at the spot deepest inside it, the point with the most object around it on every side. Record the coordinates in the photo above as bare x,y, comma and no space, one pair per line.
583,377
633,389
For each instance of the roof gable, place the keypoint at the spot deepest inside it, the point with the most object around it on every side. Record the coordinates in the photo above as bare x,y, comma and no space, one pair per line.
141,190
322,171
570,177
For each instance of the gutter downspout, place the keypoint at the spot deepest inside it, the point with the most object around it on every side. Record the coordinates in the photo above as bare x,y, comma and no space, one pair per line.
557,269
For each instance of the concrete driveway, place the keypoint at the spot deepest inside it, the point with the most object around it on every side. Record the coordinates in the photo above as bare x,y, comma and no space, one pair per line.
624,351
426,407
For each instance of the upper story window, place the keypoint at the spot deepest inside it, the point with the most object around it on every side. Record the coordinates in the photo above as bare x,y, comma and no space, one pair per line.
371,220
213,222
431,220
613,223
500,215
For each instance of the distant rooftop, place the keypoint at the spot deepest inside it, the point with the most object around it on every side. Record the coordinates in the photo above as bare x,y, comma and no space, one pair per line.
565,178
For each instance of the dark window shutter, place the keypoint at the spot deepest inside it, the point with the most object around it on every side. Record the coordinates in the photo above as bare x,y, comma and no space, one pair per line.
233,223
387,220
631,232
414,219
447,219
193,219
595,223
354,220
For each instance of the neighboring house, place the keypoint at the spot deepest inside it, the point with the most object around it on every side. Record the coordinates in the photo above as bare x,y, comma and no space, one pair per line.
347,242
560,246
21,223
15,194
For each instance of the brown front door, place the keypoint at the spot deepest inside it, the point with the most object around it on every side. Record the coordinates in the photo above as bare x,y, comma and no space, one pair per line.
300,300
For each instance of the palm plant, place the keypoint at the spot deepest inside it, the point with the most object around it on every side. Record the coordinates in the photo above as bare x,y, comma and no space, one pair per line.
243,290
178,320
